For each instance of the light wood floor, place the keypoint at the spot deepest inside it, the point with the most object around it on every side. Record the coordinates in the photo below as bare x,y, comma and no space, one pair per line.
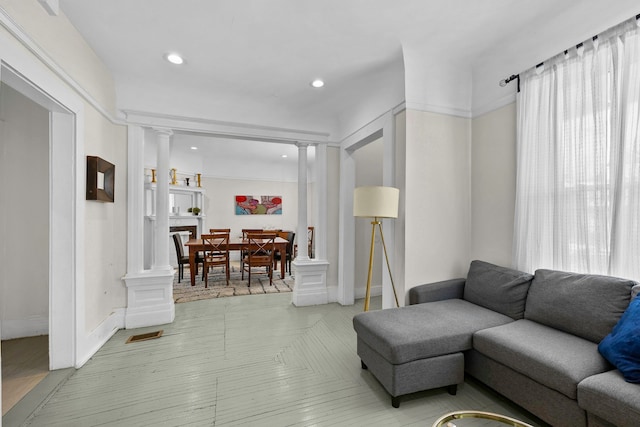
254,360
25,362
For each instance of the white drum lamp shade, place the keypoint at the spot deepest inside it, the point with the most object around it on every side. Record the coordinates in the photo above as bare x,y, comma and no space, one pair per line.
376,202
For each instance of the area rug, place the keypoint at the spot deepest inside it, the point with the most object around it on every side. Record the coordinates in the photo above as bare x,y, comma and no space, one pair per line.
217,286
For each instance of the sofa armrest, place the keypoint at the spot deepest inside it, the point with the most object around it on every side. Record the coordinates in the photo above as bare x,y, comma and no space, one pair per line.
437,291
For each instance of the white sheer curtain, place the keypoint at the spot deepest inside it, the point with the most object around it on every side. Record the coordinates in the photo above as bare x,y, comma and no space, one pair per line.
578,159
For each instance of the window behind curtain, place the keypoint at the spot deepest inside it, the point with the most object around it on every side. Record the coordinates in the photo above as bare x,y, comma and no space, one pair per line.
578,175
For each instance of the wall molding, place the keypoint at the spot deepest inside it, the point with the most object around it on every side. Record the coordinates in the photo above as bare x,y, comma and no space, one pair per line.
356,135
222,129
439,109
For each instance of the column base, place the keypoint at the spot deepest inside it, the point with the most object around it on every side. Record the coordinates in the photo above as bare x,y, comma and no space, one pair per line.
149,299
310,282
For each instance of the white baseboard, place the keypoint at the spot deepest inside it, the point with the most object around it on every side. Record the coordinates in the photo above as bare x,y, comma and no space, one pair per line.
376,290
359,293
332,293
99,336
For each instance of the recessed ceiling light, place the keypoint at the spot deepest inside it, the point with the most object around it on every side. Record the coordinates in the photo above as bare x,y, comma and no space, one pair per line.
317,83
284,156
174,58
194,148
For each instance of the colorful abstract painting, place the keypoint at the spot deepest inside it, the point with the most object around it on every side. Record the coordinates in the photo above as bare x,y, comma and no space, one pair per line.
266,205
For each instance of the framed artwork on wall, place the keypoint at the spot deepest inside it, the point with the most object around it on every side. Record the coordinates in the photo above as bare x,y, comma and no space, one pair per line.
264,205
100,179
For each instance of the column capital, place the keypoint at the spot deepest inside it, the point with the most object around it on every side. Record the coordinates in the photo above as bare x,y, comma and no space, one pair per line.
302,144
163,131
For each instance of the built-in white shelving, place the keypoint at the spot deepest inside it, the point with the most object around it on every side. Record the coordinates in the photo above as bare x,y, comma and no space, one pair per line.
181,198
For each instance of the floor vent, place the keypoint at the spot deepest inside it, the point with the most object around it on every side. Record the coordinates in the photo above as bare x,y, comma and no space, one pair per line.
144,337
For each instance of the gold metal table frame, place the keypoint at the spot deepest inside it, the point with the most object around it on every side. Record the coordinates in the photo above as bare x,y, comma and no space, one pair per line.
445,420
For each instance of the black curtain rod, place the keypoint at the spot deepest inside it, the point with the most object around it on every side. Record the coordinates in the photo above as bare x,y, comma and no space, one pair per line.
512,77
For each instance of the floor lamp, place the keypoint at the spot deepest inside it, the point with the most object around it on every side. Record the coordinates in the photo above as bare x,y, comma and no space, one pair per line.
376,203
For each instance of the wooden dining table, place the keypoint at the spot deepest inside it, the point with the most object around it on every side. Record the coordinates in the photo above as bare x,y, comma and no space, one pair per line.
235,244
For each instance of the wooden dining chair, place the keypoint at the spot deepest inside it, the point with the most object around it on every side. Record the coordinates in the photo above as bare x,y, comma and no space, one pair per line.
310,234
243,253
288,256
260,251
220,230
182,258
216,253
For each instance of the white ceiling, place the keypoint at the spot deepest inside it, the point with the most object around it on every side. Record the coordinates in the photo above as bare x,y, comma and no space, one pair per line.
251,61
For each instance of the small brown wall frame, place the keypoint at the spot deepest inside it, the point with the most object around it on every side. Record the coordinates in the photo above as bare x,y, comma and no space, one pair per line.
100,189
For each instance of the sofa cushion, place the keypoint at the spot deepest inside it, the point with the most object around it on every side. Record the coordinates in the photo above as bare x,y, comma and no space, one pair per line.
553,358
622,346
415,332
585,305
497,288
608,396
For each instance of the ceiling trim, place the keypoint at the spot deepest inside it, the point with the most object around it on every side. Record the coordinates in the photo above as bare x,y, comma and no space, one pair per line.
221,129
439,109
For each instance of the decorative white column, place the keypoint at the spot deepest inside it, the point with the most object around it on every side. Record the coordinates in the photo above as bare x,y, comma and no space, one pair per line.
149,292
135,199
303,237
310,274
322,212
161,232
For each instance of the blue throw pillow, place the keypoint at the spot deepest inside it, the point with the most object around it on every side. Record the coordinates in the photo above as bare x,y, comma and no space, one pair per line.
622,346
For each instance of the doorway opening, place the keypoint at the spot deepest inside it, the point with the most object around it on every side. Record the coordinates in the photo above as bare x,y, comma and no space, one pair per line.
37,258
25,258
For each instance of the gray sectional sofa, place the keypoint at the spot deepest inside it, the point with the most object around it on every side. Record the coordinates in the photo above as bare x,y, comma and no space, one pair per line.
532,338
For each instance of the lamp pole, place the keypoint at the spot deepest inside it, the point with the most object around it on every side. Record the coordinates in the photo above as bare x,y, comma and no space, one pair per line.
371,250
384,246
376,203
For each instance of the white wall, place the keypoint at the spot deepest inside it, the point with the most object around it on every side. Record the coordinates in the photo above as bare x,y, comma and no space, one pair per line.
360,104
24,217
493,185
105,225
437,205
436,86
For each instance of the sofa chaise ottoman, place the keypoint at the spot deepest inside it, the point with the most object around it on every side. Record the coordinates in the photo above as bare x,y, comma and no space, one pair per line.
534,339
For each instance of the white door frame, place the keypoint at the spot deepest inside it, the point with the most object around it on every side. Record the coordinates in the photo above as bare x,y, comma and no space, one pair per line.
66,210
382,127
